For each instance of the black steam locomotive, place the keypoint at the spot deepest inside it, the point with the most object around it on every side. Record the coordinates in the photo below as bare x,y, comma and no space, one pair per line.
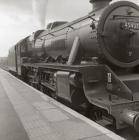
91,63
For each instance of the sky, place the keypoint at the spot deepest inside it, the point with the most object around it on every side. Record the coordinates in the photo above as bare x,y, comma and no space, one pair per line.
19,18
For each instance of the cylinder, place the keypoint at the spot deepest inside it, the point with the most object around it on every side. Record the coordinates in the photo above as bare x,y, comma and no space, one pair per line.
131,118
98,4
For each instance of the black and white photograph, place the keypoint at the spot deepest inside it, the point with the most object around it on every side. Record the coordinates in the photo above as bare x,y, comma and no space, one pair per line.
69,69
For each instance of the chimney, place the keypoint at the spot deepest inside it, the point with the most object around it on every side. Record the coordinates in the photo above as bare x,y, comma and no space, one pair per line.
98,4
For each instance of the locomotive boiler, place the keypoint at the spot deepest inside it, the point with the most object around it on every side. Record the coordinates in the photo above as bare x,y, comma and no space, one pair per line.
105,34
90,63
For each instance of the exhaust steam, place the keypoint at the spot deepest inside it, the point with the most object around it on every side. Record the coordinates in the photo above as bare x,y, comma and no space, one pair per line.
39,8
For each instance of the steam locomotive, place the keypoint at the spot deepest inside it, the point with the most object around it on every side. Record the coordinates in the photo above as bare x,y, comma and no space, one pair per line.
91,63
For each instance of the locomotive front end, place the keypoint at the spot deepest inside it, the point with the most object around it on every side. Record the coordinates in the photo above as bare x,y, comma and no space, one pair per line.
118,34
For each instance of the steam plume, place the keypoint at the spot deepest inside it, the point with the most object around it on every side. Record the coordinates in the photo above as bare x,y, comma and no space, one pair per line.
39,10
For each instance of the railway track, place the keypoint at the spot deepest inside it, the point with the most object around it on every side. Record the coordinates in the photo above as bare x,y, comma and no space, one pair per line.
128,134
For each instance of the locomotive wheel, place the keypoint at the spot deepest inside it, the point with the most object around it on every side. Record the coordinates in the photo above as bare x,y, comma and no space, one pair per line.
78,99
53,95
93,113
41,88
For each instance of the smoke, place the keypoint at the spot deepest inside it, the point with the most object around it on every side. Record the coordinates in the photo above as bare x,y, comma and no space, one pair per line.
39,11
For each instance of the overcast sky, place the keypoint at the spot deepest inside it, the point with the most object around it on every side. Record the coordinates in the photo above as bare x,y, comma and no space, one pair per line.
19,18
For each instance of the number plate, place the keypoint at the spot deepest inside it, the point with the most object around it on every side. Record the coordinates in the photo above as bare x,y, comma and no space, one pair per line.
129,25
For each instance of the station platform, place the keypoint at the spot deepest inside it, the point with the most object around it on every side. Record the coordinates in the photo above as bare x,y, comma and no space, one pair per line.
28,114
